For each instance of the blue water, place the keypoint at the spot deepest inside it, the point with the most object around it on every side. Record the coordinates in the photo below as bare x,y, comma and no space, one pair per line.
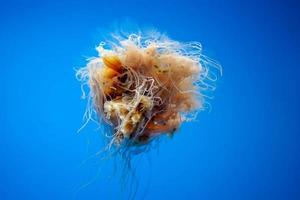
247,147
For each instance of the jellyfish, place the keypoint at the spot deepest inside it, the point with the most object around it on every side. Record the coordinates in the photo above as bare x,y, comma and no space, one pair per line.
144,86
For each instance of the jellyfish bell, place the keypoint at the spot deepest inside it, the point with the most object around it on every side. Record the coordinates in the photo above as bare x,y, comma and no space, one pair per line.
145,86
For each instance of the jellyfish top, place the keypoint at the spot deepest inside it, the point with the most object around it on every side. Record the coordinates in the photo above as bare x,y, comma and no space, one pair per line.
145,86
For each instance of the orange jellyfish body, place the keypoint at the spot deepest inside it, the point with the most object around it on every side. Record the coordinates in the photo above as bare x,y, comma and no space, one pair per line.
144,87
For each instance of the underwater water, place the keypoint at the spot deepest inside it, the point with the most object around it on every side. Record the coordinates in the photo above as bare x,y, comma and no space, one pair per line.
246,147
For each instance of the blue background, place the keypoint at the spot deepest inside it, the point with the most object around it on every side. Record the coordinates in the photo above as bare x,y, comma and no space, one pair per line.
247,147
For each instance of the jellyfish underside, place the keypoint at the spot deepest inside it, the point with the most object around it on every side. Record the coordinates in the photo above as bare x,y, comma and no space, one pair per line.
142,92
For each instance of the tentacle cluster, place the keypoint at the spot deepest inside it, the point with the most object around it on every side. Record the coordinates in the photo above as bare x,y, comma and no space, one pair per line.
144,86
